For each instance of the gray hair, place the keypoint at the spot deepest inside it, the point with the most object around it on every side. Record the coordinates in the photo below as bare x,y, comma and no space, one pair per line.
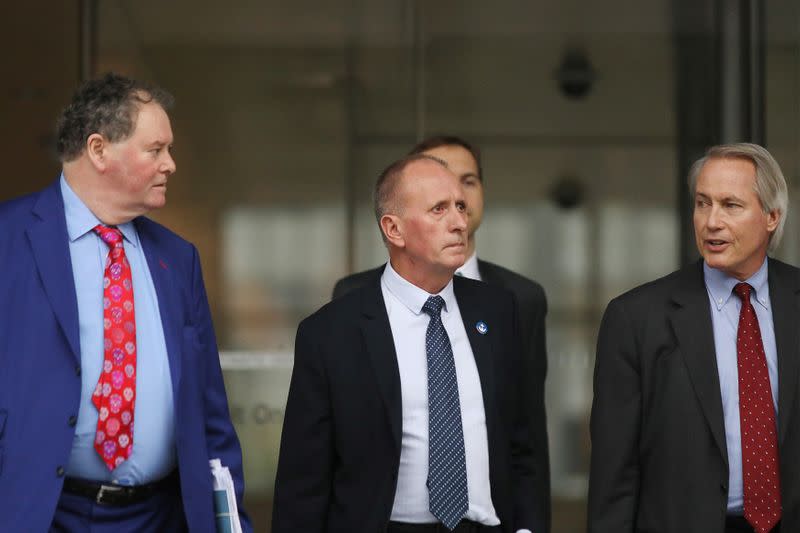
770,184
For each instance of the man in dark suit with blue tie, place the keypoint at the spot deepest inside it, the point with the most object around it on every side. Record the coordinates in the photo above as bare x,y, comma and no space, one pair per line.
409,407
464,160
111,394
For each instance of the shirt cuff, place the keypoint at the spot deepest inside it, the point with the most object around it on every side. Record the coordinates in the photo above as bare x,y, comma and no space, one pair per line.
523,531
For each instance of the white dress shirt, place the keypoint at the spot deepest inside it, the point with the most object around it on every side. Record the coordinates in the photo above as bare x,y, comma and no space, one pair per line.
409,324
470,268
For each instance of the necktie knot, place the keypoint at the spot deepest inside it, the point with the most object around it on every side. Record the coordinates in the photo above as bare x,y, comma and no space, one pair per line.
433,306
111,236
742,290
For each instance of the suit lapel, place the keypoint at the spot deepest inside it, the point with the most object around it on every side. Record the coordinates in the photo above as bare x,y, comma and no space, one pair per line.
379,343
691,323
49,242
783,294
472,313
169,305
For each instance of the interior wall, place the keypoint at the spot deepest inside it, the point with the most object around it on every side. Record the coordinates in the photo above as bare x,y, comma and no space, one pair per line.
40,42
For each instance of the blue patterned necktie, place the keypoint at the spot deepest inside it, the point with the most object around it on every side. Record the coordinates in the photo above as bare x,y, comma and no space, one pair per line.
447,466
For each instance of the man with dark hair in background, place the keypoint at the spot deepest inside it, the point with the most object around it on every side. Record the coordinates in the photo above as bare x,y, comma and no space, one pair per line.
409,409
464,160
111,394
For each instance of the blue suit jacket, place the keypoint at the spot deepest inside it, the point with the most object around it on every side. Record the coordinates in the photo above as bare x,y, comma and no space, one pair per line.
40,382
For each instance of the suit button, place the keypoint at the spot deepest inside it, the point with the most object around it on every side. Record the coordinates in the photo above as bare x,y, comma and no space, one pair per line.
78,370
724,487
73,420
60,471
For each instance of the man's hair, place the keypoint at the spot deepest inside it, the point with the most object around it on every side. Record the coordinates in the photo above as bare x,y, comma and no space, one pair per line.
108,106
449,140
770,184
384,197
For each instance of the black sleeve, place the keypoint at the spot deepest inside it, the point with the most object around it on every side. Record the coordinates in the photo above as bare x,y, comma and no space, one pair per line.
305,463
535,348
615,426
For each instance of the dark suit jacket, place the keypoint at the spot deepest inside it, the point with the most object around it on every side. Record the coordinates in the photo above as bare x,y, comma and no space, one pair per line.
659,458
532,308
40,382
340,447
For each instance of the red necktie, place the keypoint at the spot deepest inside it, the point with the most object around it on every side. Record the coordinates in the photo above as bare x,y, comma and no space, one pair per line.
762,495
115,394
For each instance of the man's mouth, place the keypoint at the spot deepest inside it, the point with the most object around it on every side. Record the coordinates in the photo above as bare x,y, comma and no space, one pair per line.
716,244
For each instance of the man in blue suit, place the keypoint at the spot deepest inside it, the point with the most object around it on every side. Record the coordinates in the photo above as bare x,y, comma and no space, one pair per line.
58,323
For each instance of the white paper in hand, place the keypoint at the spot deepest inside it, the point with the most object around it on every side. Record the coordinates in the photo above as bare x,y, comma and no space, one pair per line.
226,511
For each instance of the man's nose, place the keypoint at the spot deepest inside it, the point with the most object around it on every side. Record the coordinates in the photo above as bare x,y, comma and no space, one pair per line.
714,219
169,166
460,222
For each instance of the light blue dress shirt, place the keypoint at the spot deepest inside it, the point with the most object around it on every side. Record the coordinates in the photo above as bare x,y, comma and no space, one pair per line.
725,307
154,454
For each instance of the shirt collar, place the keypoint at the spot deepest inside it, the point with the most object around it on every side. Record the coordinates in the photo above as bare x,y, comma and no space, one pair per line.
412,296
720,285
81,220
470,268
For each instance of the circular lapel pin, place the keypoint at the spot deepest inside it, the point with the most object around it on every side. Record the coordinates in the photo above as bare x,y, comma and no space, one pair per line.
482,327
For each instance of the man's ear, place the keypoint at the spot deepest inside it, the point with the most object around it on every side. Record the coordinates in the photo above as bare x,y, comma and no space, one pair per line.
391,227
773,218
96,151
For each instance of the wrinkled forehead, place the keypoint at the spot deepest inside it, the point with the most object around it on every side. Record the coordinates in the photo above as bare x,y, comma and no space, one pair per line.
426,182
727,171
426,172
151,118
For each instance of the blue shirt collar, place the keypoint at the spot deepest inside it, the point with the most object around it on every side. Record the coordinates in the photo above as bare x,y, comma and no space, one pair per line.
720,285
81,220
412,296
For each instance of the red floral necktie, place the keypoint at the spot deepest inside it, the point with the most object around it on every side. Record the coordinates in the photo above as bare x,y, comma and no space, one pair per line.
762,495
115,394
